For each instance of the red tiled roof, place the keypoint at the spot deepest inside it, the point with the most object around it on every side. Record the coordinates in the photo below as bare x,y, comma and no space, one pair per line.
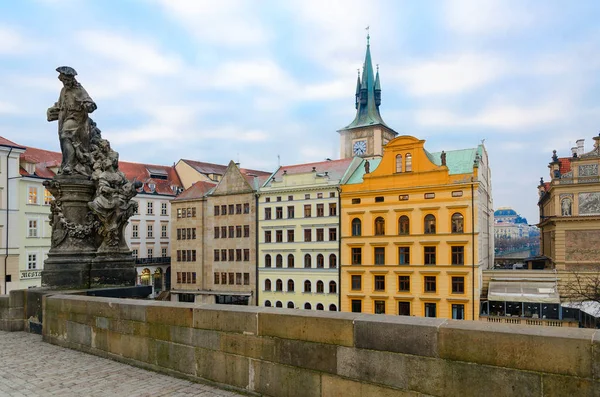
546,186
334,168
6,142
219,169
197,190
565,165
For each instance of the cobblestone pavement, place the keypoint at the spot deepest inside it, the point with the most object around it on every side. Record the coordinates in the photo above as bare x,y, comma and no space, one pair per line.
30,367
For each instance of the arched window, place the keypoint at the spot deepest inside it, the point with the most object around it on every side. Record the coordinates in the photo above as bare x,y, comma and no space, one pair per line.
290,305
290,285
268,303
307,286
307,261
429,224
332,308
403,225
399,163
320,288
332,287
332,261
278,304
278,285
457,223
267,260
145,277
379,226
319,306
356,227
290,260
307,306
408,162
267,285
320,261
279,261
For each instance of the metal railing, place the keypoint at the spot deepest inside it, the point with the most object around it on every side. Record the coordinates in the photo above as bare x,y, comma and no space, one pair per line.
149,261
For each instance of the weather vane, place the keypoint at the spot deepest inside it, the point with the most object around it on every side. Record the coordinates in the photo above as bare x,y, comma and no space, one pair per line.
368,36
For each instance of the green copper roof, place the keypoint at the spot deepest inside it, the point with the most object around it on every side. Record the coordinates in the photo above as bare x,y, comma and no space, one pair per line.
457,161
367,107
357,175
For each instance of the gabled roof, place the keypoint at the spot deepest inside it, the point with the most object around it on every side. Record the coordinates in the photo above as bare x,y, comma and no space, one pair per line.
359,173
458,161
335,169
196,191
217,169
44,160
6,142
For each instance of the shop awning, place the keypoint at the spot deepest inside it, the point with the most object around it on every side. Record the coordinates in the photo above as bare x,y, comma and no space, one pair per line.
523,291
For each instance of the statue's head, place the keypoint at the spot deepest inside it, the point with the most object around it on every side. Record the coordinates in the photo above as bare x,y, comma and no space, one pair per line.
67,76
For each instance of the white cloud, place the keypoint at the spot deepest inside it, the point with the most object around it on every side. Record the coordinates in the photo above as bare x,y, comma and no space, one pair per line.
13,42
9,108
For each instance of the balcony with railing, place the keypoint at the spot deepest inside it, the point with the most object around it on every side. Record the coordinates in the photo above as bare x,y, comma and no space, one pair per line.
153,261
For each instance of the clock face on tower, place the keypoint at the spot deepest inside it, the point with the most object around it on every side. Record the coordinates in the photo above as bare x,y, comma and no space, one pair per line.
360,147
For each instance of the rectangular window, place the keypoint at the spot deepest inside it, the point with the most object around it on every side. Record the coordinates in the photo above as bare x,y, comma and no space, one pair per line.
356,282
332,209
267,236
163,208
217,278
320,210
457,193
267,213
279,236
458,285
194,276
379,307
290,235
404,255
429,195
194,212
179,214
290,212
163,252
135,231
231,232
430,310
178,277
458,312
319,195
379,253
216,255
429,253
134,253
246,278
379,282
223,278
150,253
404,283
320,235
379,199
458,255
150,231
150,208
231,209
430,284
279,212
178,256
216,211
216,232
238,209
290,198
246,255
231,254
307,235
32,228
246,208
238,231
278,198
163,230
32,195
231,279
31,261
403,197
332,194
307,210
246,230
404,308
223,255
357,256
355,201
333,234
188,231
307,197
356,306
223,210
238,278
47,197
238,255
223,231
267,199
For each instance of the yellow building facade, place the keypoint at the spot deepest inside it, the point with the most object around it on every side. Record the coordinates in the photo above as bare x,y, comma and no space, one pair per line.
416,231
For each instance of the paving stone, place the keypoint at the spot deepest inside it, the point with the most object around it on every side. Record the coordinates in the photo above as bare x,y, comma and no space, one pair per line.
33,368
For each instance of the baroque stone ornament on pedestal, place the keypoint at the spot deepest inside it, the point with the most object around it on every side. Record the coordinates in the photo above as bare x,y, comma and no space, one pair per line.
92,200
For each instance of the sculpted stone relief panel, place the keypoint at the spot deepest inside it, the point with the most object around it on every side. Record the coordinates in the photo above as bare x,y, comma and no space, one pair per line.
589,203
588,170
582,245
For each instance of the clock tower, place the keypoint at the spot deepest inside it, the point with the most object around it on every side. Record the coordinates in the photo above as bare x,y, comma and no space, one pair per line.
367,134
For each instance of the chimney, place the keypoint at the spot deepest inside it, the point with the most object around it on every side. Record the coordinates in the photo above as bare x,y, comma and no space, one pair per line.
314,169
574,151
237,165
580,149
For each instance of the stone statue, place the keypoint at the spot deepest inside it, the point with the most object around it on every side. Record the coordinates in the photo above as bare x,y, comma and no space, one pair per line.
443,157
566,207
367,167
71,111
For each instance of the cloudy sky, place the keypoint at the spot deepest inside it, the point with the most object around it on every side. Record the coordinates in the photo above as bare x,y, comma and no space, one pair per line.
251,80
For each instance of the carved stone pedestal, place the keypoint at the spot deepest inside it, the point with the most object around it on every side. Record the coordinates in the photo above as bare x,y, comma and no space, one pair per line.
74,237
113,270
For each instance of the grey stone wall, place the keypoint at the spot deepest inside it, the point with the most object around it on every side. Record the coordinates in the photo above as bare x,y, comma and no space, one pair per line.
281,352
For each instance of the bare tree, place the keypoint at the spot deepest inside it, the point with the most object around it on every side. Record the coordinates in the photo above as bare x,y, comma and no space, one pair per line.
583,285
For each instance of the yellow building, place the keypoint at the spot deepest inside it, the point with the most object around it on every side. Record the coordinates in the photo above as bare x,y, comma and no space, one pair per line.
416,232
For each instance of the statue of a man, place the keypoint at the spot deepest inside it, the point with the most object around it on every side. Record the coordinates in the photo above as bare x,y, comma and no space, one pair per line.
566,207
72,109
